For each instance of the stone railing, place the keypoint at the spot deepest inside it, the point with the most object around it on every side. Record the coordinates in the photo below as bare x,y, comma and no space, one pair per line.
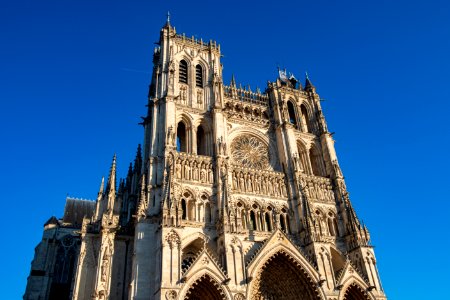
192,167
317,188
243,95
199,42
252,181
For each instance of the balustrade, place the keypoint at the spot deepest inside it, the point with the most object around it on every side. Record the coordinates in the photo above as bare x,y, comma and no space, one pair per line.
246,96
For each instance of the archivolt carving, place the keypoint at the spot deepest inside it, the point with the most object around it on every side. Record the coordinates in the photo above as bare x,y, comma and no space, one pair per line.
281,266
171,295
173,239
239,297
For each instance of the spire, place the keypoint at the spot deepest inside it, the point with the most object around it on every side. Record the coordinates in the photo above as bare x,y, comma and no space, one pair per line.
111,186
308,83
167,25
233,81
102,186
168,20
130,171
138,160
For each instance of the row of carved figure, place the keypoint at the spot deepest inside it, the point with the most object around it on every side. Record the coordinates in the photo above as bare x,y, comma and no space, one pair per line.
317,188
189,168
265,184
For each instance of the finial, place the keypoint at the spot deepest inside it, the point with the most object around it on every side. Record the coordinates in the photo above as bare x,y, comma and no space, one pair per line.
102,185
306,74
233,81
168,17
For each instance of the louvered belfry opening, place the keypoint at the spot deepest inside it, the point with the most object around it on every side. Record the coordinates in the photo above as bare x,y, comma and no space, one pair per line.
199,76
183,72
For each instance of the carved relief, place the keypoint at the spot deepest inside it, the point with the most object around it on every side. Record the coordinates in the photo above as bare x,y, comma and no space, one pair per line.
173,239
264,183
239,297
171,295
194,168
317,188
183,94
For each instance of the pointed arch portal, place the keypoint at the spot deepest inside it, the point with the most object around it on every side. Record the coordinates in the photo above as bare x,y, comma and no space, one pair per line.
205,288
282,278
354,292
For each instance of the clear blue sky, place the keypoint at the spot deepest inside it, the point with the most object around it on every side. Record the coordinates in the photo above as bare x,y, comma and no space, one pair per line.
73,84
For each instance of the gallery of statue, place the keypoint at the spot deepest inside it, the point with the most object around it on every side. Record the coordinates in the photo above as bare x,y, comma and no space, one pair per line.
235,194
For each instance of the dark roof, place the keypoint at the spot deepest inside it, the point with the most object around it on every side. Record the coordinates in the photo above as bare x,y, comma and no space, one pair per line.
76,209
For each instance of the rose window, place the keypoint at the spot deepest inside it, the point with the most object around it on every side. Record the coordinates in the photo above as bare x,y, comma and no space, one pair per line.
250,152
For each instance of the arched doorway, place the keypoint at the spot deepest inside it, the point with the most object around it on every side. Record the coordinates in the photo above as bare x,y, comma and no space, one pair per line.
205,288
355,292
281,268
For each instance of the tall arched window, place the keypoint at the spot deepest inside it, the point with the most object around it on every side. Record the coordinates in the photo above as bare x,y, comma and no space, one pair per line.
316,162
291,111
181,138
183,71
305,119
252,225
331,227
267,221
201,141
282,223
199,76
208,217
183,208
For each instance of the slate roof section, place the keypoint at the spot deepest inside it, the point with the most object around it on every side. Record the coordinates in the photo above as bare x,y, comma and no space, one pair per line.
76,209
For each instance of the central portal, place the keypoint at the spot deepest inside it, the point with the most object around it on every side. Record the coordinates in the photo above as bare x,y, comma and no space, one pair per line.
205,288
282,278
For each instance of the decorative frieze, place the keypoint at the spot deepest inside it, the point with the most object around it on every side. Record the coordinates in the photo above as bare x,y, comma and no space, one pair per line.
252,181
317,189
195,168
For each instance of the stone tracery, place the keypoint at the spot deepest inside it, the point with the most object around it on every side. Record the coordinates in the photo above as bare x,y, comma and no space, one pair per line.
250,152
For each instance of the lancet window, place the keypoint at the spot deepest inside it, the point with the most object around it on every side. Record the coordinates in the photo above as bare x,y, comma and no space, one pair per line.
184,209
304,119
183,72
199,76
181,137
284,221
316,162
291,112
203,141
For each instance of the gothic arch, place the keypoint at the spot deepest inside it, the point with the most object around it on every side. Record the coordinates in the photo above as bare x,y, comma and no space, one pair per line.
292,111
205,284
204,64
317,161
353,289
281,264
184,55
192,237
184,139
203,136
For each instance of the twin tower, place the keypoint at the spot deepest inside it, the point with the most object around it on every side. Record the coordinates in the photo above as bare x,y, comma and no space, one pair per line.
235,194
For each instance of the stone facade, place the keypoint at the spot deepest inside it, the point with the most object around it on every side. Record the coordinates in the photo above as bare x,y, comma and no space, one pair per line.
235,194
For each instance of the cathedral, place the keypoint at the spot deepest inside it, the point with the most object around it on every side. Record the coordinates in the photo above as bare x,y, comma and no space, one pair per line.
234,194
